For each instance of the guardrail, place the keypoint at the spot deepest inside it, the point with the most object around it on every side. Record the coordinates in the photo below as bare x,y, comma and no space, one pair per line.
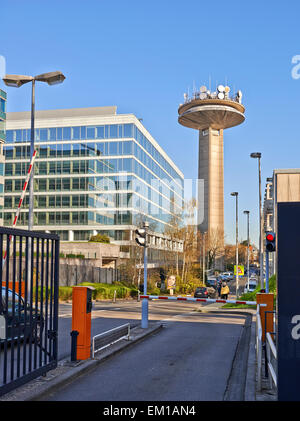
258,347
105,339
271,360
270,353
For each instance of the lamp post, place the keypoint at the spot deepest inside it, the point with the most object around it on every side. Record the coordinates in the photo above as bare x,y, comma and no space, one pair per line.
257,155
246,212
237,244
52,78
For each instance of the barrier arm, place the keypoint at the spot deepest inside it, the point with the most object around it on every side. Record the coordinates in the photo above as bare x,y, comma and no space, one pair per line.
20,202
208,300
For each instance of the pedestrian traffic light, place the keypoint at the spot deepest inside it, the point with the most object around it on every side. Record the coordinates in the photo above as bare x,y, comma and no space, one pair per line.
141,237
270,241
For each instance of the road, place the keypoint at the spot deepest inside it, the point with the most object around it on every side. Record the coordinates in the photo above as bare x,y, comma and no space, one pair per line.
189,359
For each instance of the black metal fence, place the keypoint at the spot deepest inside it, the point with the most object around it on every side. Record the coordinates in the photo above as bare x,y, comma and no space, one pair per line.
28,305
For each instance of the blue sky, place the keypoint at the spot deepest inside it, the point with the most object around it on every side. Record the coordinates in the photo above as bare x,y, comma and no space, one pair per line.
142,56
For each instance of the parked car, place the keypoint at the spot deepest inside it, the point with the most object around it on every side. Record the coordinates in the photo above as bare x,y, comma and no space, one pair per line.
205,292
229,275
225,278
212,282
18,315
252,286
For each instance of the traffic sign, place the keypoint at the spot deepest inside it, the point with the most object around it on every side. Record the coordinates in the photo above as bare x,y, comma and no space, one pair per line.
240,271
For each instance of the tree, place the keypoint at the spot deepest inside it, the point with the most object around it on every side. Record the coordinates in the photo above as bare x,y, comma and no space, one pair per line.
215,246
189,237
174,230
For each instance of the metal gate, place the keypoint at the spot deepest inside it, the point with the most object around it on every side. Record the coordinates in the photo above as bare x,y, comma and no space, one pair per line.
28,305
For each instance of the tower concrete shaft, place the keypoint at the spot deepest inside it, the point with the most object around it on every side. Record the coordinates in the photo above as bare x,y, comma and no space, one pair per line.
211,171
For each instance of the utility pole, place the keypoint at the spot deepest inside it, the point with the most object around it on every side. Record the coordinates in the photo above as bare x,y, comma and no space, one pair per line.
203,257
237,244
246,212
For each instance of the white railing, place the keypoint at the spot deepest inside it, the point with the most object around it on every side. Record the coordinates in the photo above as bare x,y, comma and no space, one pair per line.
271,354
271,360
258,347
105,339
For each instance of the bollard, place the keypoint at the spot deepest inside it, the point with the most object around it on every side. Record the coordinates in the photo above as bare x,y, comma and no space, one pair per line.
266,322
81,320
115,293
74,335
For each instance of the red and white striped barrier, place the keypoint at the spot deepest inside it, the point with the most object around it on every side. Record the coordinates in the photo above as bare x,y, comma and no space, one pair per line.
207,300
21,198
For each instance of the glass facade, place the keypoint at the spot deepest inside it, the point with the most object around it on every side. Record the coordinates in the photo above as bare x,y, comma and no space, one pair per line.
2,140
101,178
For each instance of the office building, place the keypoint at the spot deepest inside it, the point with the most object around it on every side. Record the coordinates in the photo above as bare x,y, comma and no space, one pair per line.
96,172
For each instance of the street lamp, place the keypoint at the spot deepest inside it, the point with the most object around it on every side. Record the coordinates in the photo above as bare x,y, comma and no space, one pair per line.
257,155
237,244
246,212
52,78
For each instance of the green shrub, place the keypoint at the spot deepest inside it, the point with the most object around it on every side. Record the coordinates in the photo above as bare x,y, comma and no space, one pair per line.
99,238
65,293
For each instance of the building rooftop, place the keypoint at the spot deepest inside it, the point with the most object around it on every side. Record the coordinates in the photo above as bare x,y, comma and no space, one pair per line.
61,113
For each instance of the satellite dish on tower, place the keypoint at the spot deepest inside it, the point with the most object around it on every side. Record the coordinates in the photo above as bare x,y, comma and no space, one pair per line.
203,88
221,95
227,89
239,96
203,95
221,88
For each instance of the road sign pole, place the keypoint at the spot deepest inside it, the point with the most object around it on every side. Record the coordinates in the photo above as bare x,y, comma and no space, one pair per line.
144,323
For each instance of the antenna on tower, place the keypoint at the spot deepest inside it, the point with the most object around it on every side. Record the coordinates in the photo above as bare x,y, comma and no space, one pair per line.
209,82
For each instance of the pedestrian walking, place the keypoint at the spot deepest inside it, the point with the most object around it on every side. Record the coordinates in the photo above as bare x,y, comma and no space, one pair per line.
219,289
224,291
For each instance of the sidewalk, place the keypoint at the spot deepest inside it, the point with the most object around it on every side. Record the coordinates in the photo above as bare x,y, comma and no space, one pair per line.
67,371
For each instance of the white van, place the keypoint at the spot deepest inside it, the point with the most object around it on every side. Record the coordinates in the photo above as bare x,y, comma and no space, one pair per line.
252,286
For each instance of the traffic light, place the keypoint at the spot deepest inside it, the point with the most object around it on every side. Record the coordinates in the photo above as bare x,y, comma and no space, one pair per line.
141,237
270,241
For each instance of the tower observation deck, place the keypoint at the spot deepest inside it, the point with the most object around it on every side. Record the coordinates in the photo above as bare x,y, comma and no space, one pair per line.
211,113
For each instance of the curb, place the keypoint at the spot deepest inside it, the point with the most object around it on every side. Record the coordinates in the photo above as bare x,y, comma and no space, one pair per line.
67,371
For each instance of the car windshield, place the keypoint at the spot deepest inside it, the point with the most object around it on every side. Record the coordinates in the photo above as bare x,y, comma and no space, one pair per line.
200,289
13,299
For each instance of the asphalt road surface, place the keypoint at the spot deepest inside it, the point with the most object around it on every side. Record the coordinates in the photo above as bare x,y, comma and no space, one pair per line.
189,359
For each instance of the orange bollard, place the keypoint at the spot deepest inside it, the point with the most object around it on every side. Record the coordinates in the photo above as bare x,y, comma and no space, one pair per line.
268,299
81,320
